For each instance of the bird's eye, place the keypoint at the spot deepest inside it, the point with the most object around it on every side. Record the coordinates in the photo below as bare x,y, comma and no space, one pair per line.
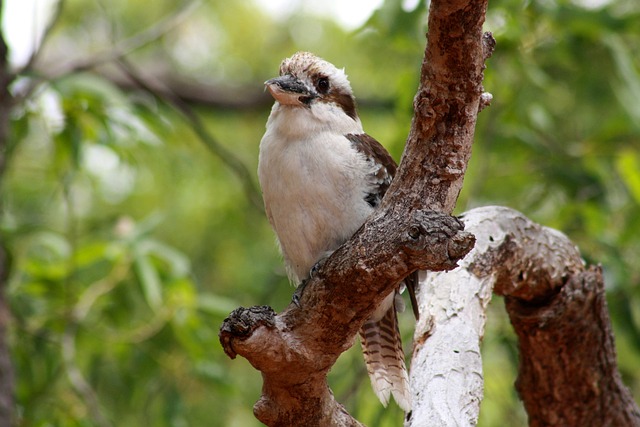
323,85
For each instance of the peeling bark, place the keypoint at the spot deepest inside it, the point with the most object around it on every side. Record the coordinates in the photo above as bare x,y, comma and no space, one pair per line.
568,373
446,366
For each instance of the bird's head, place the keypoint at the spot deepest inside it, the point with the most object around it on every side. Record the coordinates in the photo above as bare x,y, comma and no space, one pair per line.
306,80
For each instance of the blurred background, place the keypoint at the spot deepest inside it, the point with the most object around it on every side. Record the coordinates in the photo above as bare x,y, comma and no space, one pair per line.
133,219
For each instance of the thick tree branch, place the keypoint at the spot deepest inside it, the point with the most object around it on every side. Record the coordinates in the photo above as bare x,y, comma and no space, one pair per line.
568,374
295,350
446,106
568,371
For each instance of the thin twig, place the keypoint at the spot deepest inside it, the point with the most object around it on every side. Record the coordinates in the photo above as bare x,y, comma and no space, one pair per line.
119,50
81,309
131,44
100,288
227,157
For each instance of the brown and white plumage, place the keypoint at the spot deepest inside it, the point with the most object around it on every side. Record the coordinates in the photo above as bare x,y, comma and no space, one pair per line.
321,177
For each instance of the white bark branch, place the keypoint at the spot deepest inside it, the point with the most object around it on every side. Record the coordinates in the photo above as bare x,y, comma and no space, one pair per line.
446,370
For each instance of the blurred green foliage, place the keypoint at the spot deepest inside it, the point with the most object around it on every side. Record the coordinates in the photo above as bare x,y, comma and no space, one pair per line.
131,241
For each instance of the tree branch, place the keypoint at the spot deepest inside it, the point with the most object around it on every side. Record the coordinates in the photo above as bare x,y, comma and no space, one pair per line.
165,94
295,350
568,372
446,106
167,84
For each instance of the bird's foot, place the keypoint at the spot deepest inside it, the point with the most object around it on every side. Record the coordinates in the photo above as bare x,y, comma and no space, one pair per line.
316,267
297,295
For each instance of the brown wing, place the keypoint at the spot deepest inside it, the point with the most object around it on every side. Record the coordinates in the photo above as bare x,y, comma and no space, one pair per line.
380,339
383,165
381,178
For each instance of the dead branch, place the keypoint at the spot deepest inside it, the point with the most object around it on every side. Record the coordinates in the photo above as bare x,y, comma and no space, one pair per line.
568,372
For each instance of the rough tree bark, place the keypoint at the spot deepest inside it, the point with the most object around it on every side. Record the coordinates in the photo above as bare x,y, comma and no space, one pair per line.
6,369
568,374
295,349
446,106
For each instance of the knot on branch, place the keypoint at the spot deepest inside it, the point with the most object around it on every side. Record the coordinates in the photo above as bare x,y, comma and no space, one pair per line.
241,323
438,236
488,45
485,101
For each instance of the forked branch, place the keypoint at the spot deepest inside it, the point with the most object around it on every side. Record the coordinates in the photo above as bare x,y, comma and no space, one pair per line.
295,349
568,373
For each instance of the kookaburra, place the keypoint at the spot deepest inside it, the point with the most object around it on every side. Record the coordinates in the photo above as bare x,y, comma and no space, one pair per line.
321,177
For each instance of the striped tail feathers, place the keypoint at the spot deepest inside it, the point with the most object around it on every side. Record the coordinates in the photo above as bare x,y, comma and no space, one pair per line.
384,357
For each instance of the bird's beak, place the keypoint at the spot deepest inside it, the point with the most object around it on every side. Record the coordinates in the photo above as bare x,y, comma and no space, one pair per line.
288,90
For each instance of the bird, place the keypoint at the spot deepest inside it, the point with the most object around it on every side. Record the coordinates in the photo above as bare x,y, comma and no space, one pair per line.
321,177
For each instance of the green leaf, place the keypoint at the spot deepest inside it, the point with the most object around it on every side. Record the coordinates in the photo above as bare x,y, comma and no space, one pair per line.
216,305
179,264
628,166
627,88
149,280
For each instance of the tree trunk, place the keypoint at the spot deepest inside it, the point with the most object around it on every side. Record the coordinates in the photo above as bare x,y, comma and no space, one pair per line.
6,369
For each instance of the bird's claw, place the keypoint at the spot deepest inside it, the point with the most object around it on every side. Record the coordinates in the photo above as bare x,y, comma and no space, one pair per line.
297,295
316,267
